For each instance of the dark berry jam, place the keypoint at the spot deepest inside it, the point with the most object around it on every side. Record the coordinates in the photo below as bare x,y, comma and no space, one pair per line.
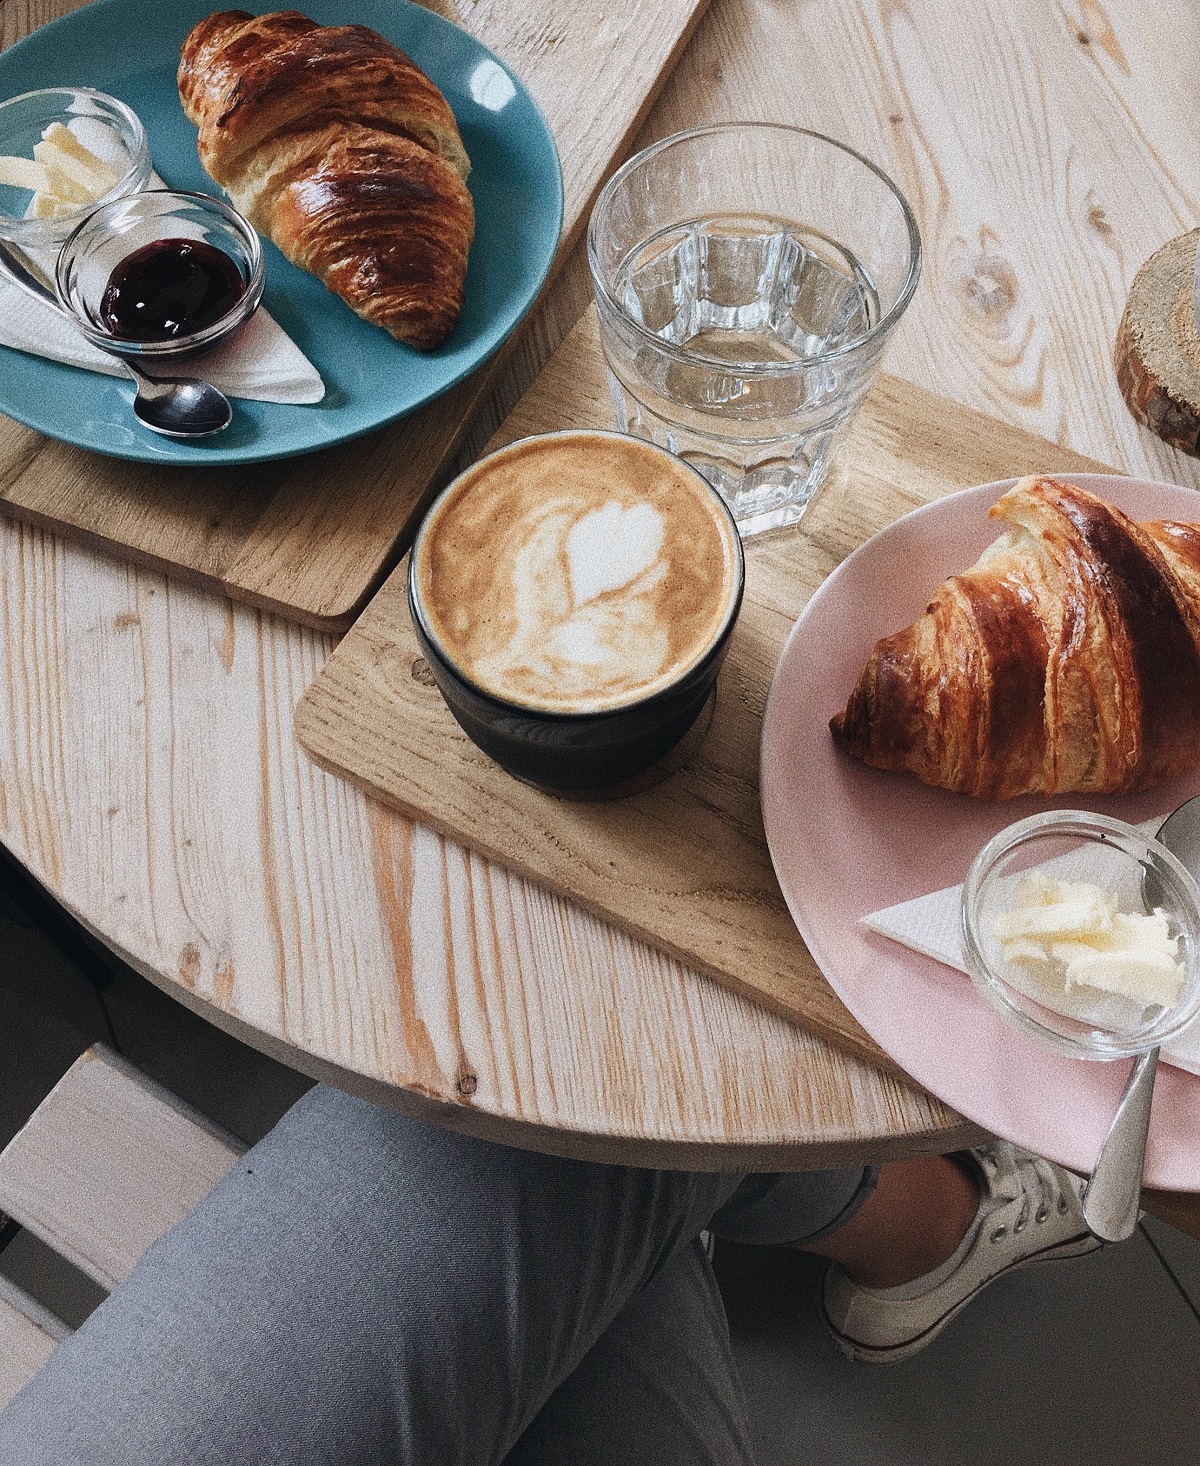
168,289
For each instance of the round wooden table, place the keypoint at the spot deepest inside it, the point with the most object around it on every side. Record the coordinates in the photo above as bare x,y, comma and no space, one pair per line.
148,771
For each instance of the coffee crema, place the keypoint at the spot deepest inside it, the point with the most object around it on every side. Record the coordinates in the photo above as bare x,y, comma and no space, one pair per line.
578,572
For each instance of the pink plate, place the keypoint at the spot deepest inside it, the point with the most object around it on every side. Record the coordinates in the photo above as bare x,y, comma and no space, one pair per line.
847,840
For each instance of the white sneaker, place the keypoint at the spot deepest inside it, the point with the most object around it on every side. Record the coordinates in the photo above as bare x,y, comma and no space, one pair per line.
1029,1211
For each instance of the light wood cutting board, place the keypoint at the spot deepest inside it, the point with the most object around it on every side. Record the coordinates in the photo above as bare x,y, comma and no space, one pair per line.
685,864
311,537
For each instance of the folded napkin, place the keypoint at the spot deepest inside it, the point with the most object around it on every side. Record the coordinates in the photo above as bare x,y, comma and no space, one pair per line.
931,925
261,361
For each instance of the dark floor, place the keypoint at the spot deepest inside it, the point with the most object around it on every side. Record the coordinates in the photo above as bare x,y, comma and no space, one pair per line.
1094,1362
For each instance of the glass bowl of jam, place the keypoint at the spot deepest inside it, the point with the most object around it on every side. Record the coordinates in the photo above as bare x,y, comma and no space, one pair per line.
63,151
164,273
1084,931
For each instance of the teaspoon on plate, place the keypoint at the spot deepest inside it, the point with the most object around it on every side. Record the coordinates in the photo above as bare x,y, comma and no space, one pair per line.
1110,1201
177,407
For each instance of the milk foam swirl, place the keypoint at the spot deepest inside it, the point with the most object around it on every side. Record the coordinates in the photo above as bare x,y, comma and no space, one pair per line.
578,577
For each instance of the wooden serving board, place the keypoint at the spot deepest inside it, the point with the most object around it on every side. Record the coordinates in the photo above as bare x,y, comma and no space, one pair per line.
685,864
311,537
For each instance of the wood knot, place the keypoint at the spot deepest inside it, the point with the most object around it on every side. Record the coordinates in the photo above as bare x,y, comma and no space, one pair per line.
988,286
420,673
189,965
223,983
1098,219
467,1084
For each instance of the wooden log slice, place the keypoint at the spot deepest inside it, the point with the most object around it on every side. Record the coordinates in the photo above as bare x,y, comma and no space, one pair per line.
1157,353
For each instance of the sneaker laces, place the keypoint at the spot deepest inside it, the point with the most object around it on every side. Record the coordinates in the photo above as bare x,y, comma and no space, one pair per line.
1012,1176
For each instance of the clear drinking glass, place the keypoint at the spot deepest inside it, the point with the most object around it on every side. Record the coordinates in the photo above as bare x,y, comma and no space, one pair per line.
747,276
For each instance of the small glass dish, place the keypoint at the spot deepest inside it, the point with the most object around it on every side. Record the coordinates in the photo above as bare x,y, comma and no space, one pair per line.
1074,845
111,233
105,126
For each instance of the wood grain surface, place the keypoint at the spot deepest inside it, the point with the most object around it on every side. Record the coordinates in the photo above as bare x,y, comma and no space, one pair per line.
28,1337
108,1163
310,537
149,772
685,863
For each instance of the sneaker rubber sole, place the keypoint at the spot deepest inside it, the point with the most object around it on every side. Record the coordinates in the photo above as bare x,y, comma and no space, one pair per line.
894,1353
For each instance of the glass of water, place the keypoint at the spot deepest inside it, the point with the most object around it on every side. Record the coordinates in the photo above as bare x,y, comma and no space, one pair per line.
747,276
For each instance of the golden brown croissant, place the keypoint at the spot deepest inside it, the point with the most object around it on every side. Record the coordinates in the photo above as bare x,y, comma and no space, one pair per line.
1066,659
341,150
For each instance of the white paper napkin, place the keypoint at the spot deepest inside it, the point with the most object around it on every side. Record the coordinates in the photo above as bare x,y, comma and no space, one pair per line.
931,925
261,362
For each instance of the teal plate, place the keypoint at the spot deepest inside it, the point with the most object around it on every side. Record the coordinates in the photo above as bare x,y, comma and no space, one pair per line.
131,50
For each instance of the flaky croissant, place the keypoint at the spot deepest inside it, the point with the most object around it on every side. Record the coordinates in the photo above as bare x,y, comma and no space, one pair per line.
341,150
1066,659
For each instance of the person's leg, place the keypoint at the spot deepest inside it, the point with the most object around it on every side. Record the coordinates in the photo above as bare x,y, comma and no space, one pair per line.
659,1385
915,1219
899,1221
360,1289
794,1208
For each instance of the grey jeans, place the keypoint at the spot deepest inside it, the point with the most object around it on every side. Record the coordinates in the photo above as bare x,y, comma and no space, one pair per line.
365,1289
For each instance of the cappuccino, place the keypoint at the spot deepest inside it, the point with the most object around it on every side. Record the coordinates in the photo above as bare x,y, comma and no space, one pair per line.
577,573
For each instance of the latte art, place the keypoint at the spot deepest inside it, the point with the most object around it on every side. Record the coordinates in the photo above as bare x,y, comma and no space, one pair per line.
577,574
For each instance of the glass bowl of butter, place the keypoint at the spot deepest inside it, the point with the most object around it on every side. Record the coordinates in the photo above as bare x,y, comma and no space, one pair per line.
63,151
1084,931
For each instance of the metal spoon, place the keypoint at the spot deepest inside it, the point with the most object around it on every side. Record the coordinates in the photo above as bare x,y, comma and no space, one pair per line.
176,407
1110,1201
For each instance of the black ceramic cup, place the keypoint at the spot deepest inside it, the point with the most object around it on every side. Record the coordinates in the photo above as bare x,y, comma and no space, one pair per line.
593,745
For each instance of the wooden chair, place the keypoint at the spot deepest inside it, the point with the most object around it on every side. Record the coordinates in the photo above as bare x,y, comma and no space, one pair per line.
108,1162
